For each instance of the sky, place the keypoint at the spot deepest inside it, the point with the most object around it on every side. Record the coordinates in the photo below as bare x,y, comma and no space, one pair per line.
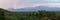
5,4
18,4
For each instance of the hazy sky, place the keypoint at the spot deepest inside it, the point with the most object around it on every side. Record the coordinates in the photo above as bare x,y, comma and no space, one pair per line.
8,4
28,3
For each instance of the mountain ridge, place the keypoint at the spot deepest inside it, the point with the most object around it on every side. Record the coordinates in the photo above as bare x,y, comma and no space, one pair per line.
37,8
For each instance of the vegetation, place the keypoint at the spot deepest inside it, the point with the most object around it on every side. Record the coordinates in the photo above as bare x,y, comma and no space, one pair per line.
38,15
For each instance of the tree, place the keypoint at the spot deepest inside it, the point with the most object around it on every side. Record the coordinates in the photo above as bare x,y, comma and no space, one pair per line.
2,12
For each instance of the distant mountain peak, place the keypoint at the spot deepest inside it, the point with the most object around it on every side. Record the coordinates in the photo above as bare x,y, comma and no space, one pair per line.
38,8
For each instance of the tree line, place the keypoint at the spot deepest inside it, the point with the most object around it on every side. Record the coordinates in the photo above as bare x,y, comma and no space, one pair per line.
38,15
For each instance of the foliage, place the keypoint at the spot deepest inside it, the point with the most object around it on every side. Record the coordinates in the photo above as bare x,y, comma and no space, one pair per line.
38,15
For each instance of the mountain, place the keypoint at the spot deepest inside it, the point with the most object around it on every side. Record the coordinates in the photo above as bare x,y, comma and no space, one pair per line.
37,8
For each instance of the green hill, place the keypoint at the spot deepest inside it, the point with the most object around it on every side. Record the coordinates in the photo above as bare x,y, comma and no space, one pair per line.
37,15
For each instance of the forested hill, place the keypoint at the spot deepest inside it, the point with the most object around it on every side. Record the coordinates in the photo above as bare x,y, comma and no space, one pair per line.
2,13
3,10
37,15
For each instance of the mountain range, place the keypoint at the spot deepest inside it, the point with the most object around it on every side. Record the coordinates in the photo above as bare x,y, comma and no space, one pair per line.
37,8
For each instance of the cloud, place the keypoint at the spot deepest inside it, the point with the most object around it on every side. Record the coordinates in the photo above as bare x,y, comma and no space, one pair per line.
7,4
47,4
28,3
4,4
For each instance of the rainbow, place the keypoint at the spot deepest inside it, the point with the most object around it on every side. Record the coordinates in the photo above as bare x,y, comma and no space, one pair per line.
13,3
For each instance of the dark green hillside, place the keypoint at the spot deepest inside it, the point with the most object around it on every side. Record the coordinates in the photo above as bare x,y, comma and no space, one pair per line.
2,12
37,15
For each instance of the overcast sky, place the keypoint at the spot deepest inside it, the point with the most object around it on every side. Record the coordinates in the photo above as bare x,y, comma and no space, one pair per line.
28,3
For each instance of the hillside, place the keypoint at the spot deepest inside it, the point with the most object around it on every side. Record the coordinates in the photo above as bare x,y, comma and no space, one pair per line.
37,15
